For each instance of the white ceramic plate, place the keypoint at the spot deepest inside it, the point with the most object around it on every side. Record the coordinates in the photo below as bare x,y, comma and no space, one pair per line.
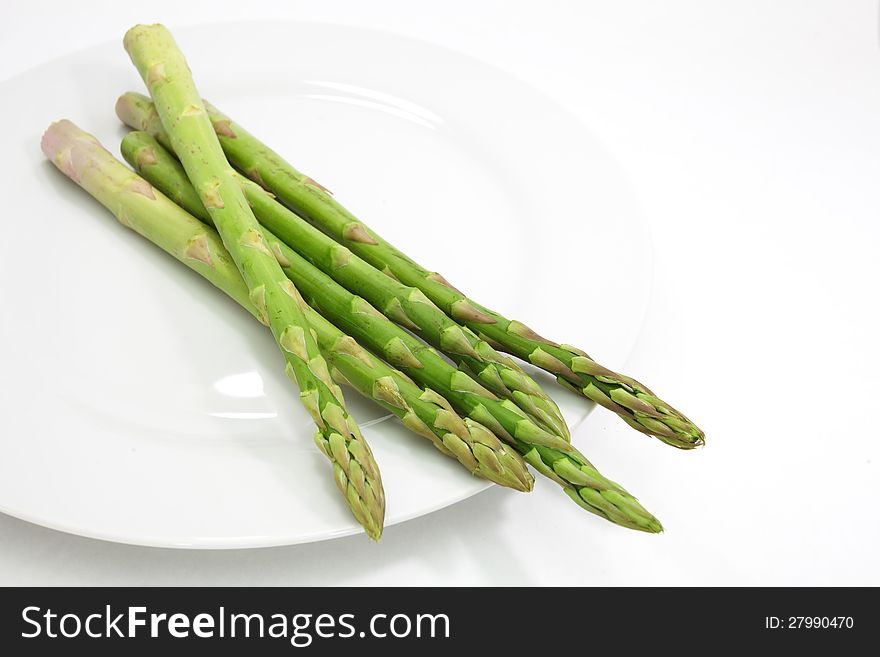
139,405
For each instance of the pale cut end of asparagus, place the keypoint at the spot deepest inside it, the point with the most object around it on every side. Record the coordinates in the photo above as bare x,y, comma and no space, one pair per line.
136,110
59,146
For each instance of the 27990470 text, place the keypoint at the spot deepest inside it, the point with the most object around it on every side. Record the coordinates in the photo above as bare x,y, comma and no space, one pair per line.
808,622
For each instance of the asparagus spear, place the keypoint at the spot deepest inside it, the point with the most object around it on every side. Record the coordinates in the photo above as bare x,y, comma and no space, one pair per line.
546,452
405,305
573,368
162,66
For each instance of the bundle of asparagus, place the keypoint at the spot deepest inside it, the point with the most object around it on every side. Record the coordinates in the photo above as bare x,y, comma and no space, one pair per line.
573,368
345,306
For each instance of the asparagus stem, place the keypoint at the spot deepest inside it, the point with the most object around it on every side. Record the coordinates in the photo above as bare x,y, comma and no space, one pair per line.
165,72
548,453
406,305
572,367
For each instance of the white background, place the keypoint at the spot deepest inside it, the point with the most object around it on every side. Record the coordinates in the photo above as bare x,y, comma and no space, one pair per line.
751,132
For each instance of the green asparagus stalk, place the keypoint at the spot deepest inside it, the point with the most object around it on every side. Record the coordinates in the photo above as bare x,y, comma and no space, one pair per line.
546,452
408,306
573,368
175,231
162,66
